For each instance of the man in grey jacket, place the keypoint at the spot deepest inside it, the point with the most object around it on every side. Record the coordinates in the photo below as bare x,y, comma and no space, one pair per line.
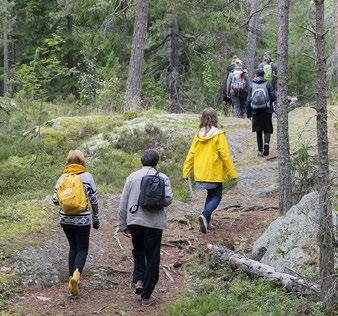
145,227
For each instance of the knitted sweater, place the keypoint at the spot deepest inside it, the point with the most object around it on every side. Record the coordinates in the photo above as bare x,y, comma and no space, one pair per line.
83,218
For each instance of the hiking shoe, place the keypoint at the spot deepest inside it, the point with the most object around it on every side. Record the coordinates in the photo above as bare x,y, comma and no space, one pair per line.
260,154
138,287
149,301
74,283
266,150
203,224
211,226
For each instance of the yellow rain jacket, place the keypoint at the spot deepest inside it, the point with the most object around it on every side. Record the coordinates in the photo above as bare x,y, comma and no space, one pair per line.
210,158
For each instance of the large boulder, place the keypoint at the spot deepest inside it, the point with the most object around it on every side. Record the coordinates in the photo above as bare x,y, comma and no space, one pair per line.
291,241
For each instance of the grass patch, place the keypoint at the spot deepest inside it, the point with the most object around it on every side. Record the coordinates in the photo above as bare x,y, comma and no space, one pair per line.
221,291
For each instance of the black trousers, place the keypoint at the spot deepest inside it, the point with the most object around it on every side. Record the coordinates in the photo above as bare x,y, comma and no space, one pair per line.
146,253
78,238
259,135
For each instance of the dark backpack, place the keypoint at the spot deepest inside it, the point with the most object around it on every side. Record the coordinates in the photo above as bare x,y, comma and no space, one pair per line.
152,194
260,99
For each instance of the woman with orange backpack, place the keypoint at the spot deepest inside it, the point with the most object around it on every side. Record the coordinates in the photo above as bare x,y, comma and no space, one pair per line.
75,193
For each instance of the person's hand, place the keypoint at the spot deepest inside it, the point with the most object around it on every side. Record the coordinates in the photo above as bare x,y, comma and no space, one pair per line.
127,233
96,224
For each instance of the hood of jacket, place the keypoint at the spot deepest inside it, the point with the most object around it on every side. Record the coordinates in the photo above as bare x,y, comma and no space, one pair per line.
258,80
202,136
74,169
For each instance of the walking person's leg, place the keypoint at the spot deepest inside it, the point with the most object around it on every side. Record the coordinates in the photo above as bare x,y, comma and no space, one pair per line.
266,148
70,234
213,199
259,136
137,237
152,242
81,234
236,104
82,244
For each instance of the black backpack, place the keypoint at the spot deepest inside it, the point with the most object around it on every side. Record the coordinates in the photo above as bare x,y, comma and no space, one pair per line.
152,194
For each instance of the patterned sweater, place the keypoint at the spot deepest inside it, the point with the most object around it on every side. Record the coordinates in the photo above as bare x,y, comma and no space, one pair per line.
84,218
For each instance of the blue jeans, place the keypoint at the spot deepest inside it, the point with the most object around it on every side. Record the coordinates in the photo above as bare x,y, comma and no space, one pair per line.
214,197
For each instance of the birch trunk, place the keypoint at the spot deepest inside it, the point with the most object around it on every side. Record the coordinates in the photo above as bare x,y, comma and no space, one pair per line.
132,98
283,146
326,232
252,42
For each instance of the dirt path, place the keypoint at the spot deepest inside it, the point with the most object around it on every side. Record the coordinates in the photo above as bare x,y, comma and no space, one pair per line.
105,286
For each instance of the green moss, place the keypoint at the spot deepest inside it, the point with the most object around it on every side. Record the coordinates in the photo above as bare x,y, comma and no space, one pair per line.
83,126
52,137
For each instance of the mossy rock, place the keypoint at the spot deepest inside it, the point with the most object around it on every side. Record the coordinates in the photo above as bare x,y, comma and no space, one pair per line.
81,126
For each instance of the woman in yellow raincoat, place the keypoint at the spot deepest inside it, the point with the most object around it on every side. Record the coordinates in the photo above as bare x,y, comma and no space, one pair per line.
210,158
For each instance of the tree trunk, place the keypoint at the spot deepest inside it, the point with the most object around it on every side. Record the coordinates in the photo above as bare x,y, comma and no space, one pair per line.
174,70
252,43
283,146
326,231
5,52
336,37
290,282
69,25
132,98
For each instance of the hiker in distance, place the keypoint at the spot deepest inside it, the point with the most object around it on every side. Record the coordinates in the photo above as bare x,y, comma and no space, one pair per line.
260,108
75,193
142,215
270,69
223,95
210,158
237,88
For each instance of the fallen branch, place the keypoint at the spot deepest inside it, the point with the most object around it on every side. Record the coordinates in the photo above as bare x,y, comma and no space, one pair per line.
118,241
290,282
186,222
167,273
249,208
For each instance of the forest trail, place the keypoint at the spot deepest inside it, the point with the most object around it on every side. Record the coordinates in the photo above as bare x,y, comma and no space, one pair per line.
105,285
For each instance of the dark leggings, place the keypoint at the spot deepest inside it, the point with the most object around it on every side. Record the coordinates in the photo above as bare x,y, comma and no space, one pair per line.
78,238
147,256
259,135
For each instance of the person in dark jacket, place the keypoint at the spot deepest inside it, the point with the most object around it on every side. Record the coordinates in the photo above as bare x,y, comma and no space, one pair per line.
261,114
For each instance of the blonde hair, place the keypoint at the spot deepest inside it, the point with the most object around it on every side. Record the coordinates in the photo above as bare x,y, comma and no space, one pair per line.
239,63
208,119
76,157
234,58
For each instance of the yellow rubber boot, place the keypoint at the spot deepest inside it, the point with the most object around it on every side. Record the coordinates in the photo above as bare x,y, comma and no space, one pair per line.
74,283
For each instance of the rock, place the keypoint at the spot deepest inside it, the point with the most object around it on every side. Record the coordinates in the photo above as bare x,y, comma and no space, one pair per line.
290,242
268,191
99,141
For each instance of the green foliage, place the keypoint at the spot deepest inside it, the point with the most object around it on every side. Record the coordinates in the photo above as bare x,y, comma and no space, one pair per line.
304,172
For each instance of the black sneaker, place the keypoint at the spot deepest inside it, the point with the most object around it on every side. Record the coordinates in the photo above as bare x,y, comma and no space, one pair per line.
138,287
266,150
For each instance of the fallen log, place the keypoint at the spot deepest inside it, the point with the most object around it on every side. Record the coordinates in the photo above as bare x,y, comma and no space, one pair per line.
290,282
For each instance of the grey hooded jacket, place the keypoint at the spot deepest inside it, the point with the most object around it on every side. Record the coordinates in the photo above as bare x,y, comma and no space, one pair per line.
129,198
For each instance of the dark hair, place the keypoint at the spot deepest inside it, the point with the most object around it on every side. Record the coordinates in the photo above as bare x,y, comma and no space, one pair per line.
259,72
150,158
